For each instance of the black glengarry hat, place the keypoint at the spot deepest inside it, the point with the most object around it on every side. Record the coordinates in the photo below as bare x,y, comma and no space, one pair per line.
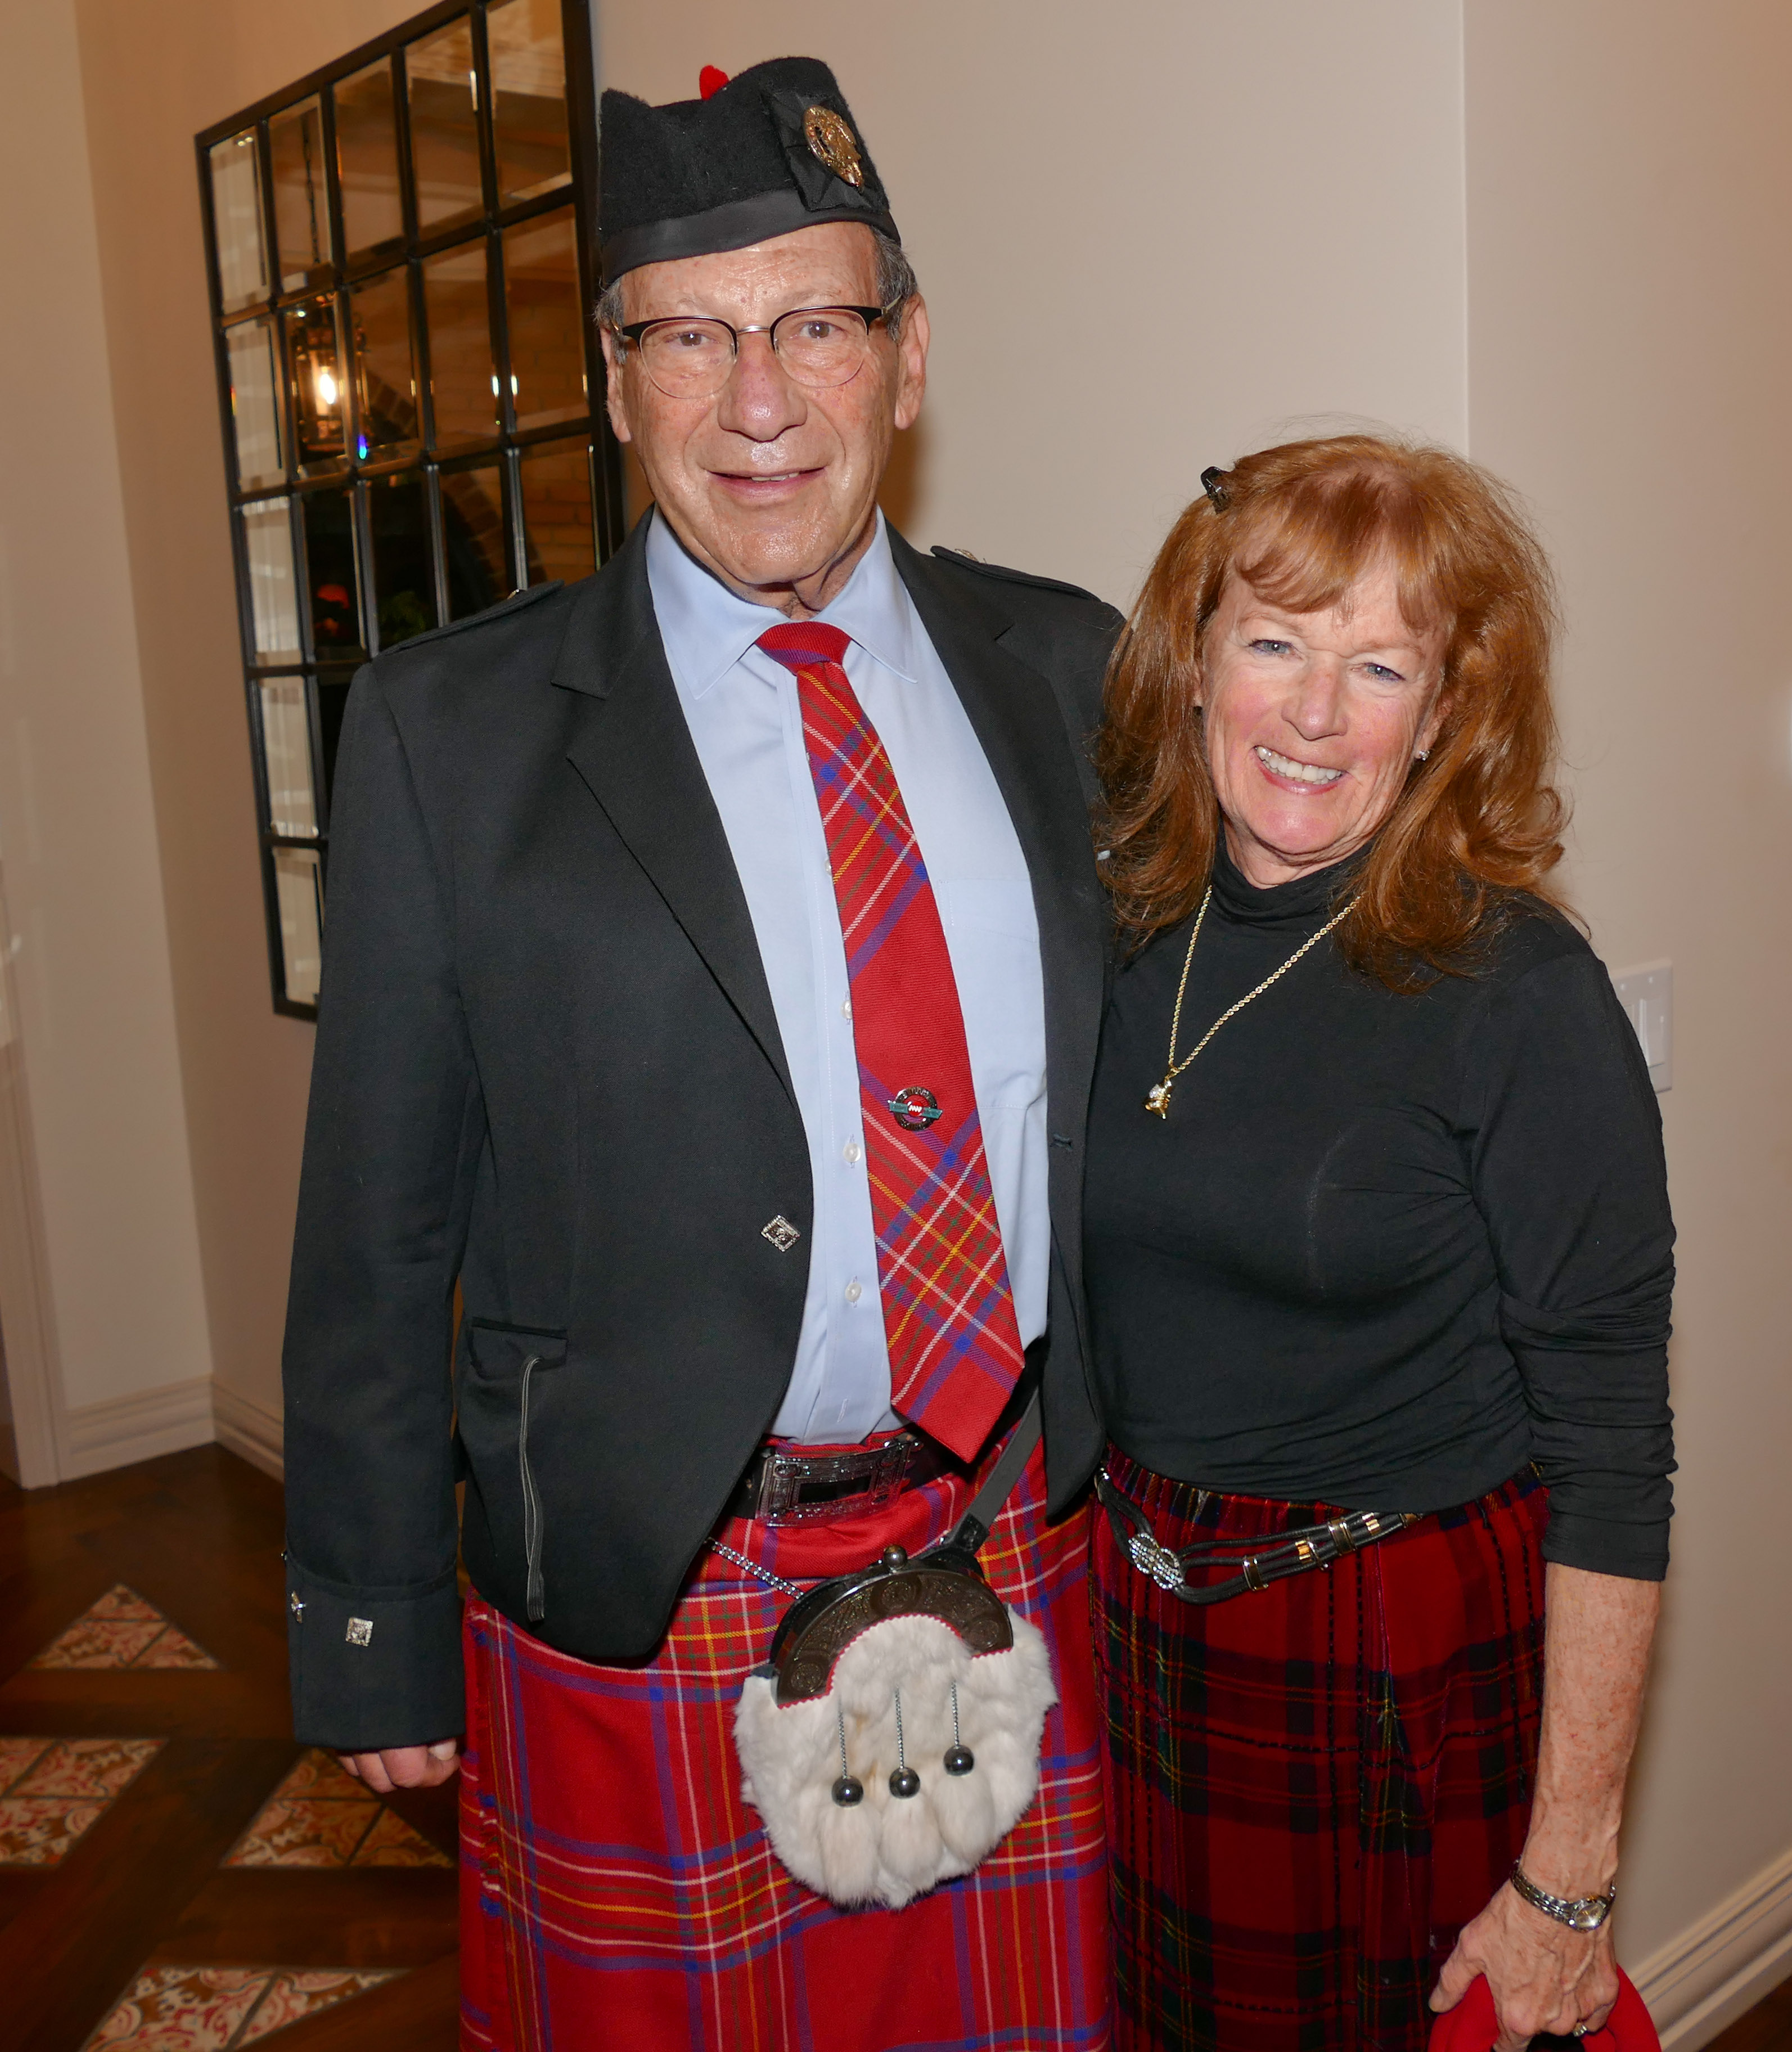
773,149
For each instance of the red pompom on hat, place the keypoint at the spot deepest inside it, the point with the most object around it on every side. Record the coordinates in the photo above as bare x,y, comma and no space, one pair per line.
711,80
1472,2025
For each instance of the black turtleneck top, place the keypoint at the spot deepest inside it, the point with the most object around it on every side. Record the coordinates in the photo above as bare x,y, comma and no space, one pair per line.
1385,1249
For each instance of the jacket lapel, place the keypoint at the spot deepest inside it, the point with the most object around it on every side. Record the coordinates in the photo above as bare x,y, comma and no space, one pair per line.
1026,729
634,750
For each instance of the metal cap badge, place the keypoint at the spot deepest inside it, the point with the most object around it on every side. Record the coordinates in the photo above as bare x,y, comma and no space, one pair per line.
833,143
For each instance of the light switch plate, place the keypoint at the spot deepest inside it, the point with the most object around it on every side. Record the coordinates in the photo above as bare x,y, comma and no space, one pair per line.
1647,996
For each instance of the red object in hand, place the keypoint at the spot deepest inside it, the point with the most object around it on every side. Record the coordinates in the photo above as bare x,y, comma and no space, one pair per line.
1473,2026
710,81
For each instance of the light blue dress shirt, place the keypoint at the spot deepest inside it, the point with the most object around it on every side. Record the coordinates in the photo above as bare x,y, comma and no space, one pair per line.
746,721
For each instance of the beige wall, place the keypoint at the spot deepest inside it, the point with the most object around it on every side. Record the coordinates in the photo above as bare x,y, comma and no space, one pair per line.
1630,331
119,1250
154,76
1057,168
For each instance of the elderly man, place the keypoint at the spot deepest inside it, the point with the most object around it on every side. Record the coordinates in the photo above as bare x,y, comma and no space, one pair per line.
714,971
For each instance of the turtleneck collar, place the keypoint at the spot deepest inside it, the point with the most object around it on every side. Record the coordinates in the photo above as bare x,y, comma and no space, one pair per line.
1305,901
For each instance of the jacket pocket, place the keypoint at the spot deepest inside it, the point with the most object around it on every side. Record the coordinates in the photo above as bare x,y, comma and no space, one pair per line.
502,1401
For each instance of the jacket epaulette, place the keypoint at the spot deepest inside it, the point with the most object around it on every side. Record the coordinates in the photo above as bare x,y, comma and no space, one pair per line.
976,563
516,601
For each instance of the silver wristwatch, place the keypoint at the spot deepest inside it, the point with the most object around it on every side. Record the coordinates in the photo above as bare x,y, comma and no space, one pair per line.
1579,1913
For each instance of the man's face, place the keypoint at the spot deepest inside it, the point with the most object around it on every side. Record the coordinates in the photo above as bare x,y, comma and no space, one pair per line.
771,485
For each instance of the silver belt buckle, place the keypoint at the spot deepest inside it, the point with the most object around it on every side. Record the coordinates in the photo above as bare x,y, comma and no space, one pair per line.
806,1489
1156,1561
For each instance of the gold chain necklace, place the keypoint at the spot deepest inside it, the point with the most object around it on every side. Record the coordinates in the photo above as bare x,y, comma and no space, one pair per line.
1158,1099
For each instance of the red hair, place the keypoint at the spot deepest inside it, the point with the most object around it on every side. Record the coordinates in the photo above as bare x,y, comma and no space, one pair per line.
1478,826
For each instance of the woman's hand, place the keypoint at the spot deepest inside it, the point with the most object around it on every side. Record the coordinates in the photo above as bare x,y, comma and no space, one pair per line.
1543,1975
404,1766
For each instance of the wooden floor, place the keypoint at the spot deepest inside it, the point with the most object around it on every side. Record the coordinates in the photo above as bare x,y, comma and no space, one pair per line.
197,1536
145,1889
1767,2028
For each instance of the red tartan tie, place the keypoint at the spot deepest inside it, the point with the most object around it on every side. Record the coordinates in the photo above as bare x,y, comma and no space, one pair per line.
955,1351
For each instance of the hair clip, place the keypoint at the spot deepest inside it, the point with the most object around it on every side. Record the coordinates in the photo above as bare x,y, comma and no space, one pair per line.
1213,482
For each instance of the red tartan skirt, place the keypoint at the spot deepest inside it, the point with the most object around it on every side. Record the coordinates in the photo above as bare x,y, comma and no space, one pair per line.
1311,1788
618,1895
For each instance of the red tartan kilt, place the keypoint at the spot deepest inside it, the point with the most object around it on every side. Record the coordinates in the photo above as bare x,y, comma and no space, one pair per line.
1311,1788
619,1895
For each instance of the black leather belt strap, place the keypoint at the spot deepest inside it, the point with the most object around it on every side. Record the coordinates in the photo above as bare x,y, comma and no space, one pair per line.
1258,1563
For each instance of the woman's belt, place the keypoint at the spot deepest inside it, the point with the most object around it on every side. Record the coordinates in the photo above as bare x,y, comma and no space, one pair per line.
1256,1563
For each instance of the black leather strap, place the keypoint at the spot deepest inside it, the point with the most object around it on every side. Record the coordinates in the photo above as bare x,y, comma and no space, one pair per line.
1258,1563
974,1526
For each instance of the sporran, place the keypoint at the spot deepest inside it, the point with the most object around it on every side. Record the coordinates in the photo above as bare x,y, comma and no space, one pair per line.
891,1741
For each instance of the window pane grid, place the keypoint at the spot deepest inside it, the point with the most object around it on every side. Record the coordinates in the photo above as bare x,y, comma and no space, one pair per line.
395,251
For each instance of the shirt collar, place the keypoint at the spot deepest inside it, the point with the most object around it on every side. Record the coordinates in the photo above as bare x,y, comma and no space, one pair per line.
707,629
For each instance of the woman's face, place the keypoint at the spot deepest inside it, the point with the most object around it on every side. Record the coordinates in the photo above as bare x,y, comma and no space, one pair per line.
1312,721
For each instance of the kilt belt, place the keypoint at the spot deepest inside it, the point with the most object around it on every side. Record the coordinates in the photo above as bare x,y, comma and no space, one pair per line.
1257,1565
786,1485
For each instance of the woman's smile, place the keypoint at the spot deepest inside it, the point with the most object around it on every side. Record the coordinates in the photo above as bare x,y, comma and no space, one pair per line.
1285,770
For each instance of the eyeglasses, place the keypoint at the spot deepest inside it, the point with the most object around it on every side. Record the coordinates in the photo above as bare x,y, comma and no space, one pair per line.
819,346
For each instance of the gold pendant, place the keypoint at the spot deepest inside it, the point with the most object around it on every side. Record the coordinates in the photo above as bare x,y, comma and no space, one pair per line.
1159,1099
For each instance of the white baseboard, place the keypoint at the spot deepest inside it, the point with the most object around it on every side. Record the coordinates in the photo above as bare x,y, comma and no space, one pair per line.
1698,1984
168,1420
249,1429
124,1429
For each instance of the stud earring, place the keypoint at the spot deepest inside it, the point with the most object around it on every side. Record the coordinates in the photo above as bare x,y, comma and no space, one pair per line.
1422,755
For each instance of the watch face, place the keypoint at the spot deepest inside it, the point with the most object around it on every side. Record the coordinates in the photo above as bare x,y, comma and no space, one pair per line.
1590,1915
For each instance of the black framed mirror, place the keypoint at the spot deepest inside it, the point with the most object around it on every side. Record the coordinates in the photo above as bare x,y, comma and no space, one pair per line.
401,257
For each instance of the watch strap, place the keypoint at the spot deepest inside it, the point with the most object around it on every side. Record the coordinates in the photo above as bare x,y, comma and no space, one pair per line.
1579,1913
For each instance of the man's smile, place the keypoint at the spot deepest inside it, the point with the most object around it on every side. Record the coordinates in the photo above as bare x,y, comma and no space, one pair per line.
753,484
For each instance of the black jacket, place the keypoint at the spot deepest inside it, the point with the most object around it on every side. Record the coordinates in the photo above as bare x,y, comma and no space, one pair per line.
548,1066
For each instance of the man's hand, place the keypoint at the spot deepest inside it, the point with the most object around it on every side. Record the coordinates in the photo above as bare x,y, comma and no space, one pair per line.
1543,1975
404,1766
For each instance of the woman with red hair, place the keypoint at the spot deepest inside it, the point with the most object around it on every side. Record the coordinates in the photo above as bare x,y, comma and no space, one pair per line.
1379,1261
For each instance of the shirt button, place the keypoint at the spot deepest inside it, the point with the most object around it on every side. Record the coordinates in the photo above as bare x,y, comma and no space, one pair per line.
846,1008
852,1150
853,1293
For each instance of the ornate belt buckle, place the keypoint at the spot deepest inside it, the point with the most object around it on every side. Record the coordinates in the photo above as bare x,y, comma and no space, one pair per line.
803,1488
1157,1561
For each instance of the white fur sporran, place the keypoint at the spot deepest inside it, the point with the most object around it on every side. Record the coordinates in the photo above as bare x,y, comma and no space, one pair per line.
892,1740
886,1847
